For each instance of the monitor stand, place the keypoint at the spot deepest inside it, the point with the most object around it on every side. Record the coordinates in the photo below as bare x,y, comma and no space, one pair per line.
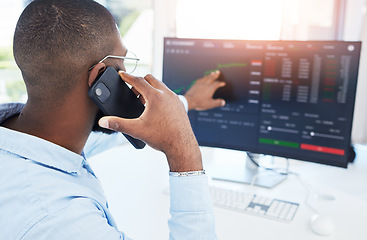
246,173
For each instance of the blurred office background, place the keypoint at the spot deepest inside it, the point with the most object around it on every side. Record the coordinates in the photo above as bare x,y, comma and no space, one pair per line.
144,23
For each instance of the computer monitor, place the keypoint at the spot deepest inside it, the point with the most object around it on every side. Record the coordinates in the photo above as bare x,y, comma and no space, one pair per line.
293,99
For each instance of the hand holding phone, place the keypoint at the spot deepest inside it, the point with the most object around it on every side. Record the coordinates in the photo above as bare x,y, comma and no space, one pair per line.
164,125
114,98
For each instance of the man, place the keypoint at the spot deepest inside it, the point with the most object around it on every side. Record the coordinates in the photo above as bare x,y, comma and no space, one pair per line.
47,189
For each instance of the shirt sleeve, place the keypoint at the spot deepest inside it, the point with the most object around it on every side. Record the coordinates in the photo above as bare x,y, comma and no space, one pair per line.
191,211
184,102
99,142
192,215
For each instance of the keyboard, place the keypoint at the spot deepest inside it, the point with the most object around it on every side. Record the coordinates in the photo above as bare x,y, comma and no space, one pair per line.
245,202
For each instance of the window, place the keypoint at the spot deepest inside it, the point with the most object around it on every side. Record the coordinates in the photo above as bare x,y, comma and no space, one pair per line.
261,20
135,21
230,19
12,88
310,20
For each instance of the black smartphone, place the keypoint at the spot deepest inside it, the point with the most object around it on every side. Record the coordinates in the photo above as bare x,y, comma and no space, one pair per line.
114,98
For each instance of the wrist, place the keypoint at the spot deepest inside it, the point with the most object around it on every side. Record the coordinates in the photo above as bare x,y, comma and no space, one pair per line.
185,164
190,102
185,159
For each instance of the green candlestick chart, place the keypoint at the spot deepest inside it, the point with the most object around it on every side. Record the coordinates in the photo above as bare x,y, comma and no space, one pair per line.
219,67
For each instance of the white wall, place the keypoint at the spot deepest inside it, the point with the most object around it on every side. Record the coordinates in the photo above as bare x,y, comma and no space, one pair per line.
359,132
164,26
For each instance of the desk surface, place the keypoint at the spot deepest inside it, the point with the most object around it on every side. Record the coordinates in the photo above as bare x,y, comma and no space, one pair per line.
135,180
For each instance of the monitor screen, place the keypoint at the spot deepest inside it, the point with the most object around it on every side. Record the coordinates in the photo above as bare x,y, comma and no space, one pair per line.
293,99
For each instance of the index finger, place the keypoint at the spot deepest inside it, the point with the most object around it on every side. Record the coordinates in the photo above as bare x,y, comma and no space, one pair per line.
213,76
155,82
138,83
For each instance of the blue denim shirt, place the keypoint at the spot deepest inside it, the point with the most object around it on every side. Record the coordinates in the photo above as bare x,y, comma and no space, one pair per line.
49,192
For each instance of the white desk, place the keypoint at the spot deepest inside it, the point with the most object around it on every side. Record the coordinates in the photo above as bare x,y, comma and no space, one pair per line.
134,181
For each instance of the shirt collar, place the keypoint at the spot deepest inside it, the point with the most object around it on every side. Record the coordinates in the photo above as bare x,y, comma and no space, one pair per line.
9,110
34,148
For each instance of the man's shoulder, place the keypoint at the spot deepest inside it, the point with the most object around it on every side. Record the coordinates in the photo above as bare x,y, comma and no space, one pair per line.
32,193
19,206
8,110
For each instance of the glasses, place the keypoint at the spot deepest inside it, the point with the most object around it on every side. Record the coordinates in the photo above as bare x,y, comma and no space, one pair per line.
130,61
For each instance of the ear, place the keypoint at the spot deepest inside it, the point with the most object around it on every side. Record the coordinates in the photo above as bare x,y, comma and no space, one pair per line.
96,70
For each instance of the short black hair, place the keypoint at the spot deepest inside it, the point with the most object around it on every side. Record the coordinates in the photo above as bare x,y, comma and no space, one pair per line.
57,40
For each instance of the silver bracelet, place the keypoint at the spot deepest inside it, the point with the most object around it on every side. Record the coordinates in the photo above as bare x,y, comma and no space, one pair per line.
187,174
